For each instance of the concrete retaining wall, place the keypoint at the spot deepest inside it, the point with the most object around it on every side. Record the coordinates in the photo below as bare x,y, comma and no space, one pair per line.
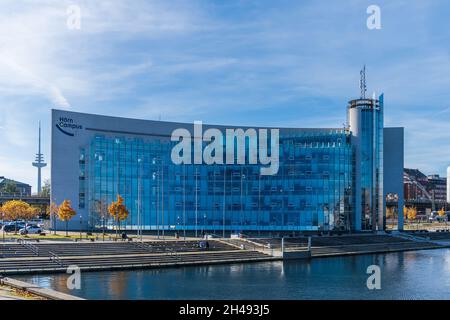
290,255
37,290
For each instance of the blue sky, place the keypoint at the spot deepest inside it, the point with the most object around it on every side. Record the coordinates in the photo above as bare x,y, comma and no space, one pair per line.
274,63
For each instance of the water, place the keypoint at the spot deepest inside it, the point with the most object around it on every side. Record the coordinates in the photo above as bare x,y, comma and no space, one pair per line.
405,275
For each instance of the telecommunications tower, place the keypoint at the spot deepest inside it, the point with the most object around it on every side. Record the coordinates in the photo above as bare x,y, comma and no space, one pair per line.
39,162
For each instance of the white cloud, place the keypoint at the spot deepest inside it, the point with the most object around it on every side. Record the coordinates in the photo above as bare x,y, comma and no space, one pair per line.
22,81
44,65
189,60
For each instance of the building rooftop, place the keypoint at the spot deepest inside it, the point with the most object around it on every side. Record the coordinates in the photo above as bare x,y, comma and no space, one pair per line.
5,180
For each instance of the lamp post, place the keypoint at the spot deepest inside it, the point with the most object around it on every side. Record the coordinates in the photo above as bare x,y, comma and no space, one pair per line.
282,208
259,205
117,163
99,158
204,224
178,226
184,204
139,231
224,201
162,198
155,176
3,226
242,198
196,203
81,224
103,224
53,216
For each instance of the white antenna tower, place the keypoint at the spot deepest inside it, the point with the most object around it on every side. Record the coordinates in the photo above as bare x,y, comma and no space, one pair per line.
39,162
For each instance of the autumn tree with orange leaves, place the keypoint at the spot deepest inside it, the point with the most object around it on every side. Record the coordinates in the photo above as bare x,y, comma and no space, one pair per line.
66,213
18,210
118,211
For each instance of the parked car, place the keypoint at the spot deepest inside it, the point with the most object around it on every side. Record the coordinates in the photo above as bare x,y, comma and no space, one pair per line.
38,222
13,226
31,229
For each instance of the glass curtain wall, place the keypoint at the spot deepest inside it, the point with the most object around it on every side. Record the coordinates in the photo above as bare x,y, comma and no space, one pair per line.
313,189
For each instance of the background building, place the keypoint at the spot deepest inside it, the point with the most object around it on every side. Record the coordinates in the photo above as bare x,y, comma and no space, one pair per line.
415,185
426,193
328,179
15,190
437,187
448,185
9,186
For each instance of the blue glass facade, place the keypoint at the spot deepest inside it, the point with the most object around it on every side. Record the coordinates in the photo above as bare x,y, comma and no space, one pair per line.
366,123
313,189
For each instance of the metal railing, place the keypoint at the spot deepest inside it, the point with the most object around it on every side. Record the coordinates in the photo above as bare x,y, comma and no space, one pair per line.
29,246
55,258
248,244
171,252
144,246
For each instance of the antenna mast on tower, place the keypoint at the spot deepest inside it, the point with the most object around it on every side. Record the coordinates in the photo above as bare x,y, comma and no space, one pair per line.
39,162
362,83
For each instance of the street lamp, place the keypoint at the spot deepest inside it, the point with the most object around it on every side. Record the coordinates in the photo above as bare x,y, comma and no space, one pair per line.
100,203
53,215
81,223
178,226
139,229
204,224
3,226
155,176
224,201
196,203
162,198
103,225
282,208
184,204
242,199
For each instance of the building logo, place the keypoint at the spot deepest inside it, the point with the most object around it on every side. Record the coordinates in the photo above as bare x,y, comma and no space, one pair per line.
66,125
221,149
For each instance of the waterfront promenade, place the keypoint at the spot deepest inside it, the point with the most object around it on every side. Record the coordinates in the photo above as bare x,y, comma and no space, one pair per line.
24,257
57,256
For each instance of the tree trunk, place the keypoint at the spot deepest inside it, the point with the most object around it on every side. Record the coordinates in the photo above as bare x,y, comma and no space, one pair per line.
67,227
103,235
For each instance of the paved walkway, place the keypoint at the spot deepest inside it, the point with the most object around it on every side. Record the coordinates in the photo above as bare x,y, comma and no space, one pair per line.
99,238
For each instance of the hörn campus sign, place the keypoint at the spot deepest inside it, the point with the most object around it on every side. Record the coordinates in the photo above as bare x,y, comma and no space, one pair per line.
67,125
219,150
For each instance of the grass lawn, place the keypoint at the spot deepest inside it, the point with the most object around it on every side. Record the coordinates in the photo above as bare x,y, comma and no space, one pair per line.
61,236
419,225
